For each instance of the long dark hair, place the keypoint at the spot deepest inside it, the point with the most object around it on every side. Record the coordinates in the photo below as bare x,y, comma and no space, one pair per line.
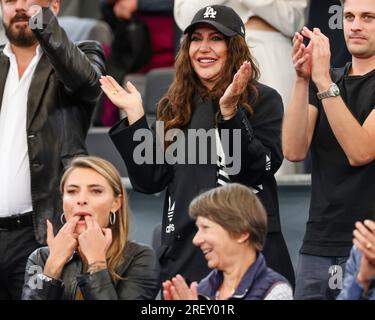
176,107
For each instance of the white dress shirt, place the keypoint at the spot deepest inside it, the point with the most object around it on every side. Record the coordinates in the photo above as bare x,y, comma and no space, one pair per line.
15,185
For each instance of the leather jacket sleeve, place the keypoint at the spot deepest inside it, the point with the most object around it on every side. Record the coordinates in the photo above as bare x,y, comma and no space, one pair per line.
79,67
36,287
140,279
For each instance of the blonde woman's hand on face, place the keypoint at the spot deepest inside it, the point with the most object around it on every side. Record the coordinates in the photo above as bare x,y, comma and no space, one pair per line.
61,247
129,100
94,241
229,100
177,289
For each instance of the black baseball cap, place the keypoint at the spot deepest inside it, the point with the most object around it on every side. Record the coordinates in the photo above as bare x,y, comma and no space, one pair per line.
223,18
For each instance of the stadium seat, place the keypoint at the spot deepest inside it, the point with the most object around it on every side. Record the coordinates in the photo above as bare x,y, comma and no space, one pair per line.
157,84
100,144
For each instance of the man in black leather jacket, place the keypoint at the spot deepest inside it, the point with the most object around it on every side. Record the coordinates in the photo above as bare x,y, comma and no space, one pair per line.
48,90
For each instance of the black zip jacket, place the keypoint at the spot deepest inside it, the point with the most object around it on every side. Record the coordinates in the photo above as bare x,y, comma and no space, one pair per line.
138,269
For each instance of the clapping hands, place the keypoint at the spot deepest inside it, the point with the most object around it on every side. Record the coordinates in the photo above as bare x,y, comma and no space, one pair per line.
177,289
364,240
314,60
232,94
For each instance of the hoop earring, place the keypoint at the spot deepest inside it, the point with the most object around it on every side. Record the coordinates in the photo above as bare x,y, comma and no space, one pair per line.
112,218
62,218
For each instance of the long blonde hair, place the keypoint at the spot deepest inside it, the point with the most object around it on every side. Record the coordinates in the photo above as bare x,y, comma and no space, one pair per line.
115,253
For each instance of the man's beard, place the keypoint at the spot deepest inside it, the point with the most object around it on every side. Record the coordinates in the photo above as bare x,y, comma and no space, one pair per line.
21,36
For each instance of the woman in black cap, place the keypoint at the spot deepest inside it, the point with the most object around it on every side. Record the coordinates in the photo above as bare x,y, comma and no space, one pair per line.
215,92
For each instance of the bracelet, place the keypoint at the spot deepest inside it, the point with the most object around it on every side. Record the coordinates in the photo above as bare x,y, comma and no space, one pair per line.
96,266
228,117
45,278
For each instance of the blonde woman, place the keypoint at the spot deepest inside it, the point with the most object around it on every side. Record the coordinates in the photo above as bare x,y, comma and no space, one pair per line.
90,257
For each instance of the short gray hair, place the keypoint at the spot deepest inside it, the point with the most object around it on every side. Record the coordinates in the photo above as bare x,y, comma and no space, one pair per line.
236,208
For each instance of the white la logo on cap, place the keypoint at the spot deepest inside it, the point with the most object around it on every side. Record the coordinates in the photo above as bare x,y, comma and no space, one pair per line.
210,13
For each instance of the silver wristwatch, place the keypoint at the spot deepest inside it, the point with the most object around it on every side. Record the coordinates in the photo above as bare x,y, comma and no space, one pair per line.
333,91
